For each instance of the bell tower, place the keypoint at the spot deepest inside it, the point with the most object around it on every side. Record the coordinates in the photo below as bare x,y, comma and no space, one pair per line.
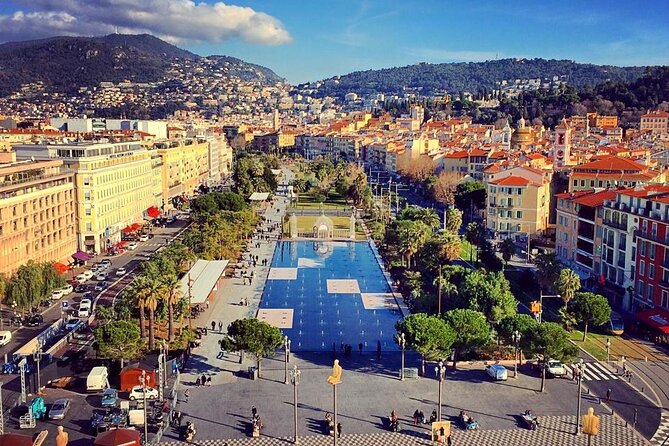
562,145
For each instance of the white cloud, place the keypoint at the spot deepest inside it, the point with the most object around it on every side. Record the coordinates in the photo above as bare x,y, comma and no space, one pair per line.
173,20
439,55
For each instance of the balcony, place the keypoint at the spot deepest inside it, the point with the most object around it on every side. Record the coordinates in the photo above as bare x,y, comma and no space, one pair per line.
654,238
664,283
615,224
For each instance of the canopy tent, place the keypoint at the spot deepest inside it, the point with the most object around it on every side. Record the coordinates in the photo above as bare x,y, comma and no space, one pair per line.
657,318
204,277
82,256
121,244
15,440
60,267
259,196
118,437
127,230
153,212
132,376
136,226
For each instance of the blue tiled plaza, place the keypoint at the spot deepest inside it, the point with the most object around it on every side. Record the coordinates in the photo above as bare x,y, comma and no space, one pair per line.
337,293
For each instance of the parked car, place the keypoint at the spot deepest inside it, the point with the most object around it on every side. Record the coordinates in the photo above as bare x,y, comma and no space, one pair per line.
88,274
497,372
616,325
5,337
132,246
56,294
555,368
137,393
100,277
106,262
67,289
88,295
144,238
59,409
81,288
110,398
121,272
72,323
33,320
86,302
101,286
81,278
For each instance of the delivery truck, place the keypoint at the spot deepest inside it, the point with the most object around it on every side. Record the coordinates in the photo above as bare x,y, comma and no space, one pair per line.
97,379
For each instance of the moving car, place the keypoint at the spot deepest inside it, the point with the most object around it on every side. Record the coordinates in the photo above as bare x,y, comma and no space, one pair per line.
106,262
101,286
555,368
72,323
100,277
110,398
84,309
144,238
59,409
56,294
497,372
132,246
5,337
121,272
67,289
616,325
33,320
81,278
137,393
81,288
88,274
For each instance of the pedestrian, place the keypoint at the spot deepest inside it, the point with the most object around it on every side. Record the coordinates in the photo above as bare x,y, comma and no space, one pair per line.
339,430
197,381
378,350
186,395
209,381
203,380
341,347
608,394
254,412
360,347
449,441
220,326
416,416
180,417
213,325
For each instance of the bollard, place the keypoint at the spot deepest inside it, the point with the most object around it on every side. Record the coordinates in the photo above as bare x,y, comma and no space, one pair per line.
641,389
612,411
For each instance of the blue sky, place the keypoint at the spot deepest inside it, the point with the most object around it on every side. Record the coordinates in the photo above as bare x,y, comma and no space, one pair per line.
313,39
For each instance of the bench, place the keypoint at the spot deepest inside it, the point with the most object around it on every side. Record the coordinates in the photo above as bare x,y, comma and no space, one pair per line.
410,373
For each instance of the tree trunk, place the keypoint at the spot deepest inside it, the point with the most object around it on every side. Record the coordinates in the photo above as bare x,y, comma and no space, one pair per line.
259,362
121,363
455,358
585,331
241,356
422,365
543,377
152,340
142,322
170,321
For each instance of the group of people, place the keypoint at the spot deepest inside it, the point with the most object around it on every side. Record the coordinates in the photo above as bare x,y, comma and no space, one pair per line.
220,326
419,417
204,380
329,420
348,348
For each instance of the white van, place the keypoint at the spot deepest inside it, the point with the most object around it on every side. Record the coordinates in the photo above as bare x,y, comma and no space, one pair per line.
84,309
97,379
5,337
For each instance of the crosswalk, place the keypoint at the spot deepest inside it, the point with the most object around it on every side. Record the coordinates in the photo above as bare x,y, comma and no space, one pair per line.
595,371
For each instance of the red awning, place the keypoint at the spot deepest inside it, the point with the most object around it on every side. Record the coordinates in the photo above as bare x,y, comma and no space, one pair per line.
127,230
60,267
657,318
153,212
121,244
136,226
118,437
12,439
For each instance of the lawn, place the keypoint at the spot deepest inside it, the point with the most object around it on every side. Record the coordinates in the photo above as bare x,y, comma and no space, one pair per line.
333,201
467,251
595,344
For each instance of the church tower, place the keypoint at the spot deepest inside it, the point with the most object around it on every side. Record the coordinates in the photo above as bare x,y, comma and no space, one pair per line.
276,124
506,137
562,145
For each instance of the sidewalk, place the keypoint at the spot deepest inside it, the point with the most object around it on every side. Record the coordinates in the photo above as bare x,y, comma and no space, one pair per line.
226,308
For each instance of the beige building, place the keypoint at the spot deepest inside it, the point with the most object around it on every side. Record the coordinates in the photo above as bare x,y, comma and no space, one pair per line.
185,166
37,212
612,171
114,185
656,122
518,201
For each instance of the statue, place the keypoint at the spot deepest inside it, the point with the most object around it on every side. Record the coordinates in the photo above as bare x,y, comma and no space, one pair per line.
335,378
590,422
62,437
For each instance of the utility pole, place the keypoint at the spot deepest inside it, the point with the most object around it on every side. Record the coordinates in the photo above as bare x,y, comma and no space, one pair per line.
37,356
146,427
403,343
580,366
440,370
2,412
439,291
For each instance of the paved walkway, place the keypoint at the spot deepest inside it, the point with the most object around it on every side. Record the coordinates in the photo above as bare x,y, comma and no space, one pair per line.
227,307
556,430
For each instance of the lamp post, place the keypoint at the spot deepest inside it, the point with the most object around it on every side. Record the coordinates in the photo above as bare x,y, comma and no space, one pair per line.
403,343
440,370
580,366
295,379
37,357
142,380
608,349
286,350
516,340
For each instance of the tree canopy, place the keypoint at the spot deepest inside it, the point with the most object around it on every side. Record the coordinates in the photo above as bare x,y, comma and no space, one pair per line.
118,340
590,308
471,330
429,336
489,293
254,336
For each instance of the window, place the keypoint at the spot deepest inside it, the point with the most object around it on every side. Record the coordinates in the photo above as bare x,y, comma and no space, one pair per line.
650,292
87,181
644,226
651,250
665,299
651,271
575,182
519,214
642,248
642,268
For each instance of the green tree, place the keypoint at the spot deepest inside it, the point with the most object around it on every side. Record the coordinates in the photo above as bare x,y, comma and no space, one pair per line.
489,293
548,269
470,194
524,324
411,236
119,340
508,249
590,308
452,219
254,336
550,341
471,330
137,294
567,284
429,336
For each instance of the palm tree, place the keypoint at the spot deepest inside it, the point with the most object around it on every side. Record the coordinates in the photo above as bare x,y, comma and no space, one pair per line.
508,249
444,286
429,217
171,287
138,292
567,284
412,235
151,302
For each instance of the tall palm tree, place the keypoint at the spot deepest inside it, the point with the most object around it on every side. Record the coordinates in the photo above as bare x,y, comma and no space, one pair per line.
171,287
151,302
567,284
138,292
429,217
444,286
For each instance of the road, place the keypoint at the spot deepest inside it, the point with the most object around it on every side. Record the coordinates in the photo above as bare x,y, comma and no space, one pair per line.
129,260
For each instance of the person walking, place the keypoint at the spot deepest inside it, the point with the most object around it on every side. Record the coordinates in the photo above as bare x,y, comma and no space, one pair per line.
254,412
186,395
220,326
608,394
213,325
204,379
339,430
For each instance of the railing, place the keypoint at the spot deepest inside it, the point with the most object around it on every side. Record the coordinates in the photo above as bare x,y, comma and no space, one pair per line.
615,224
655,238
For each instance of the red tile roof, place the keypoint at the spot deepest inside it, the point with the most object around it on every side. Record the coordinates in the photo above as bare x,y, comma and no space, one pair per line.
614,163
597,198
511,180
656,114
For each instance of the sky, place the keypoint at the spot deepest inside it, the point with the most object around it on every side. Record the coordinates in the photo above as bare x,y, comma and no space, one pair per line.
307,40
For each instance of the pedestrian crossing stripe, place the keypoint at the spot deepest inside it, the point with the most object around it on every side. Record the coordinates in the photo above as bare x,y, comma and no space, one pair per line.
595,371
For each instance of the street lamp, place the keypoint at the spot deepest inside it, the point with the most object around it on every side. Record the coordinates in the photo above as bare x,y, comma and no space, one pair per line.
403,343
608,349
440,370
37,357
580,366
295,379
516,340
142,381
286,350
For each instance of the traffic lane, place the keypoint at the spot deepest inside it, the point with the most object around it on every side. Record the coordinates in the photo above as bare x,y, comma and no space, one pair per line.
24,334
624,401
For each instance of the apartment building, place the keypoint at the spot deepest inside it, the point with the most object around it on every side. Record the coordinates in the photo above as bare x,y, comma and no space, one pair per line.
185,168
114,186
611,172
656,122
37,213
